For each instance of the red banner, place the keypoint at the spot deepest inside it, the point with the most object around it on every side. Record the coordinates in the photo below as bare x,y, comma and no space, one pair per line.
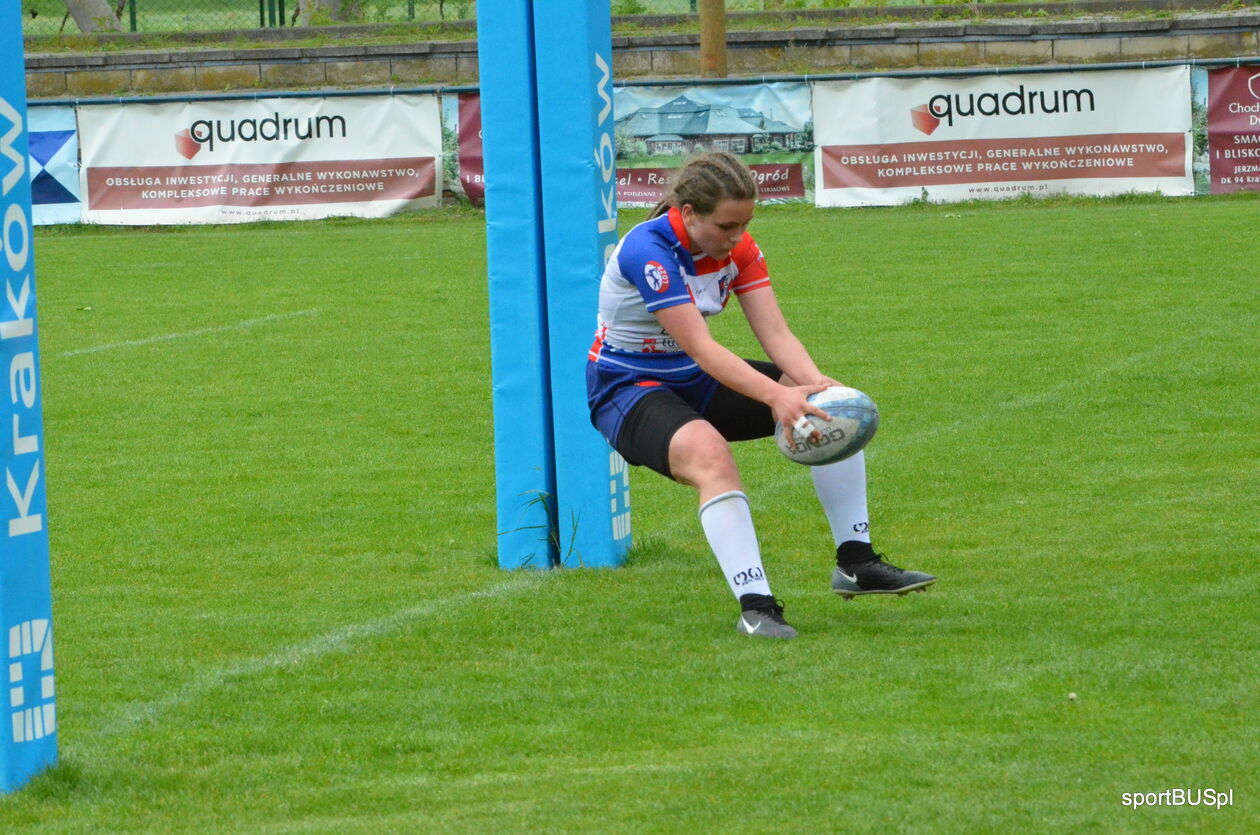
648,185
1003,160
260,184
1234,129
471,165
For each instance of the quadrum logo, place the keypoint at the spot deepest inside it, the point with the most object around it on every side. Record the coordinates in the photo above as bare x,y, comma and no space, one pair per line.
1022,101
207,133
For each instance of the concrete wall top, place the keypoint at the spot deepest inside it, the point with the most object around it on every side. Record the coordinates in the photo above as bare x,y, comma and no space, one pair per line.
816,48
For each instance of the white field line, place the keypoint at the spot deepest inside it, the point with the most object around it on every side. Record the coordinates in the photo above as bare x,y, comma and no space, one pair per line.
337,640
248,323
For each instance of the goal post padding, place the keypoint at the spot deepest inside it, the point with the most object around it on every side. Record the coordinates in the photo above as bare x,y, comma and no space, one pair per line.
524,467
547,127
28,723
573,50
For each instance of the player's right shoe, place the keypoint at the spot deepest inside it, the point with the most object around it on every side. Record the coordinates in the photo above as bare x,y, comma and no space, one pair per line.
762,616
859,570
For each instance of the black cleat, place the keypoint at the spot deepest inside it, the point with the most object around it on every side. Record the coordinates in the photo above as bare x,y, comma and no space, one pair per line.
859,570
762,615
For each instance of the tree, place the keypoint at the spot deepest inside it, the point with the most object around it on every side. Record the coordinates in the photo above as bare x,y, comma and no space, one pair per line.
713,38
93,15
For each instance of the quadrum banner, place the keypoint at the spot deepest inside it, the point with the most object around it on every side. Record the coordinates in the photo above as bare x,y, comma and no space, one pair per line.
885,141
263,159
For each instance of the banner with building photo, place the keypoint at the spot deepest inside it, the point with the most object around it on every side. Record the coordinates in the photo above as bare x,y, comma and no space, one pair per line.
1233,129
54,161
885,141
769,126
265,159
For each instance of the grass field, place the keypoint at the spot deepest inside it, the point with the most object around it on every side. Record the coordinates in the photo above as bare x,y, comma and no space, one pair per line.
273,538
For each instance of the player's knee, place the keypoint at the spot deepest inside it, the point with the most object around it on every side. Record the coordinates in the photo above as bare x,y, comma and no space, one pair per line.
700,455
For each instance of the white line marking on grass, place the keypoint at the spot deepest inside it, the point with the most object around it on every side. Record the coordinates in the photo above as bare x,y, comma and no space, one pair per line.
338,640
248,323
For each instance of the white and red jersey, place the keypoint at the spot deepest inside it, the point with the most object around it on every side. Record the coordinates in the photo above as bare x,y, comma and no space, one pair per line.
651,269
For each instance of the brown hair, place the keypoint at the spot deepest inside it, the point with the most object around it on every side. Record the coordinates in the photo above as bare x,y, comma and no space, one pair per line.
706,181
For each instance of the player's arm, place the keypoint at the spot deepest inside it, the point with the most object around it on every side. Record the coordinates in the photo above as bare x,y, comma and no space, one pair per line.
684,323
768,324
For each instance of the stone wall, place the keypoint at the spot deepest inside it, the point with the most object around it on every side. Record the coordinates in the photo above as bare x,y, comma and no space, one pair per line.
802,51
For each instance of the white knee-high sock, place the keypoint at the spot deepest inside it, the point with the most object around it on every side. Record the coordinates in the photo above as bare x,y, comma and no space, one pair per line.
841,487
728,526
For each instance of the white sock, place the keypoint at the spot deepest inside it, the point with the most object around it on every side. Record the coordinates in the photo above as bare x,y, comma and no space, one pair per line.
728,526
841,487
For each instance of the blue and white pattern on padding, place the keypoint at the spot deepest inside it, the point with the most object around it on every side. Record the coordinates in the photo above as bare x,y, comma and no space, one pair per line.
32,696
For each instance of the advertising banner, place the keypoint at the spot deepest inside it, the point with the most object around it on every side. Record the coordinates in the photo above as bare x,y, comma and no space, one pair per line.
885,141
769,126
657,128
1233,107
265,159
28,722
54,162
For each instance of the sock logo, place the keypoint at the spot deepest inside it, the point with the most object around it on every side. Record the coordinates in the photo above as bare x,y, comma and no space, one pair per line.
750,575
862,527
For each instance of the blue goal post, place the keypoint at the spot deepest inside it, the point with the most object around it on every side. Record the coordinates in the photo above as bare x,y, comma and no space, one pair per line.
551,217
28,725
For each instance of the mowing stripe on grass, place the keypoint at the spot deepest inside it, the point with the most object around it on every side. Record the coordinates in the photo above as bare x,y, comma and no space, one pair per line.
1050,394
337,640
1036,399
248,323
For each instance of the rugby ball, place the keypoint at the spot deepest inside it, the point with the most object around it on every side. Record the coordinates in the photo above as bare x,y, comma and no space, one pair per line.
854,420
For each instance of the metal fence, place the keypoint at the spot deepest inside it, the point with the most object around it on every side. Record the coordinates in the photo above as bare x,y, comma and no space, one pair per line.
49,17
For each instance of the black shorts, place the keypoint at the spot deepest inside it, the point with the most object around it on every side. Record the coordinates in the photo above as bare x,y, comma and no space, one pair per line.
650,425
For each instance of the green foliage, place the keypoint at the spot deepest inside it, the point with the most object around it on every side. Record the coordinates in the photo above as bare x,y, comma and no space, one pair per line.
1199,126
450,156
273,544
628,7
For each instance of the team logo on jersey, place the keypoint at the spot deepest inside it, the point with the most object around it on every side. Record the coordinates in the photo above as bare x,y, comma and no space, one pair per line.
656,277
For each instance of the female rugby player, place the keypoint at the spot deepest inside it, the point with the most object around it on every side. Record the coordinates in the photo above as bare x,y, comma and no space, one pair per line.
668,396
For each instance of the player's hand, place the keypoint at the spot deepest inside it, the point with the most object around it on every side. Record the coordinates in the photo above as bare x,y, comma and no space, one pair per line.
791,407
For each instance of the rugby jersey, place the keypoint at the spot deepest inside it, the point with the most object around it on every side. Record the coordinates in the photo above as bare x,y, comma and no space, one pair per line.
652,269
